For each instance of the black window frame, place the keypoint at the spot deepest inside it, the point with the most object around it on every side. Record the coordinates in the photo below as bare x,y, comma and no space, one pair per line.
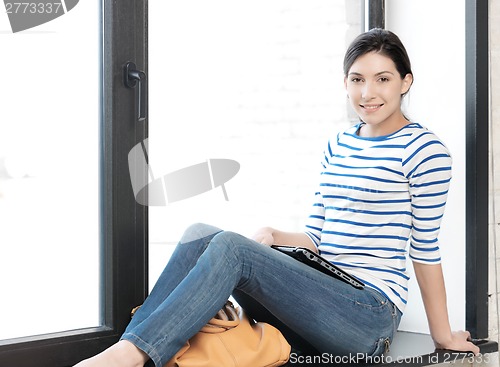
477,178
123,222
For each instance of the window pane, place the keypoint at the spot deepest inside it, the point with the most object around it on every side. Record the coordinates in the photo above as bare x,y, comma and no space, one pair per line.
256,82
49,200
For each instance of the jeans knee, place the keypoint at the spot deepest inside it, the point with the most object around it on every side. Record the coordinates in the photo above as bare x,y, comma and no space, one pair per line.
197,231
231,242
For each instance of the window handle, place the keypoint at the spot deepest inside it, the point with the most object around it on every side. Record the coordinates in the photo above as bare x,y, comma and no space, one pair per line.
132,78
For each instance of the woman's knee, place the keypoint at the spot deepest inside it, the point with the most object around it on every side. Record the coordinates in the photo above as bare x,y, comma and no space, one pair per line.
198,231
231,241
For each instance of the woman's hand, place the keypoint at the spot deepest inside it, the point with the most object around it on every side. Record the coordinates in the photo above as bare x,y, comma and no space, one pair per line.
264,236
459,342
270,236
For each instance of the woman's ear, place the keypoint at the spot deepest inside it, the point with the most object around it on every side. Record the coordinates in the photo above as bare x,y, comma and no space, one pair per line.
407,82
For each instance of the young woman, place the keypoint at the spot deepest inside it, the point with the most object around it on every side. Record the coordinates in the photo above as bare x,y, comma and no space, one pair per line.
384,184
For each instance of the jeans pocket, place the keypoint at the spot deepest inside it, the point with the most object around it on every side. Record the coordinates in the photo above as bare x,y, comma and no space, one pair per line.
372,299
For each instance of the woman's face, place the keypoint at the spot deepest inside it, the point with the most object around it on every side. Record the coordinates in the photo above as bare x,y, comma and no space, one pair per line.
374,88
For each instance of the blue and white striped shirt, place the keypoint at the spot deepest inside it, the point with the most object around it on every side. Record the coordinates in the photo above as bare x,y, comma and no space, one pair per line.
375,196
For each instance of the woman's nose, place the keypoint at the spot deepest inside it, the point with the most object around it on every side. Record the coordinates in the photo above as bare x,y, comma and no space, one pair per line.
368,91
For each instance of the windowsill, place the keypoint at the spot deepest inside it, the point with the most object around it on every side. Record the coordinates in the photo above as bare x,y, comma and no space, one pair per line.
412,349
409,350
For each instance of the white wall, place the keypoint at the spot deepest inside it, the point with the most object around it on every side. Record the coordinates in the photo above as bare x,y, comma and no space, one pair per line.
260,83
434,35
494,199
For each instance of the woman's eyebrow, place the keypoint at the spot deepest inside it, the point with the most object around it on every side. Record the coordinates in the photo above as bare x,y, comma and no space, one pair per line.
377,74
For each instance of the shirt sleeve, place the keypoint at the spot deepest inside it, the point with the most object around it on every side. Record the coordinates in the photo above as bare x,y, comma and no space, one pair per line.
427,166
316,218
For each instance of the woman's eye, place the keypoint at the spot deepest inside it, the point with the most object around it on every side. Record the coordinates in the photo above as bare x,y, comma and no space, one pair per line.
384,79
356,80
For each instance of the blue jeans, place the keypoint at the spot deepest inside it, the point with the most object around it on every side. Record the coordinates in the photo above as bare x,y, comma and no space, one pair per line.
313,310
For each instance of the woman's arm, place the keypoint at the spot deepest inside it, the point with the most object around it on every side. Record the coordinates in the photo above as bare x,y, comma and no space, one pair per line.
270,236
431,282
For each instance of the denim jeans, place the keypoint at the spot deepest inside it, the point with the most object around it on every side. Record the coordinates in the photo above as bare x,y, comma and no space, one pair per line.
313,310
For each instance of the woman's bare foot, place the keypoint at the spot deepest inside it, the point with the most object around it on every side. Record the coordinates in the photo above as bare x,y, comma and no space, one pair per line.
121,354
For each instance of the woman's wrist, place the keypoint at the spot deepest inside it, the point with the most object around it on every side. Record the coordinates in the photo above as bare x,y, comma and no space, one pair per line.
443,341
442,337
458,341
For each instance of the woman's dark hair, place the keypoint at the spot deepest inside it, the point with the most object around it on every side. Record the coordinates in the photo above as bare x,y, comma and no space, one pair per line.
380,41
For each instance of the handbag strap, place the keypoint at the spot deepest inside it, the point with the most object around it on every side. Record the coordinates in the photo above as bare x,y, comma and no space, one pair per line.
227,318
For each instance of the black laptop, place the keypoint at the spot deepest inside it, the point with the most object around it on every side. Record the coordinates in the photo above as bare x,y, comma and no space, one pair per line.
317,262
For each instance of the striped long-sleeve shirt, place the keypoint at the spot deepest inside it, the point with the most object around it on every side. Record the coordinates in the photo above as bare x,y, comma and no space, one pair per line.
376,196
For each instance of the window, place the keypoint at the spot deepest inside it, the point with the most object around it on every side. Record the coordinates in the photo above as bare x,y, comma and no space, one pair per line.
70,223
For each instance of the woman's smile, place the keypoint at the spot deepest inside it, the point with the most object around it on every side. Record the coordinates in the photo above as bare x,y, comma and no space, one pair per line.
371,108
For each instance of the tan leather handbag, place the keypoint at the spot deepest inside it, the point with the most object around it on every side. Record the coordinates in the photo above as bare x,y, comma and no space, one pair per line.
231,340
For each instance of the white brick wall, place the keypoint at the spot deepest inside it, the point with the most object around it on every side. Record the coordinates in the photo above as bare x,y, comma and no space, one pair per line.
292,104
494,224
278,96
